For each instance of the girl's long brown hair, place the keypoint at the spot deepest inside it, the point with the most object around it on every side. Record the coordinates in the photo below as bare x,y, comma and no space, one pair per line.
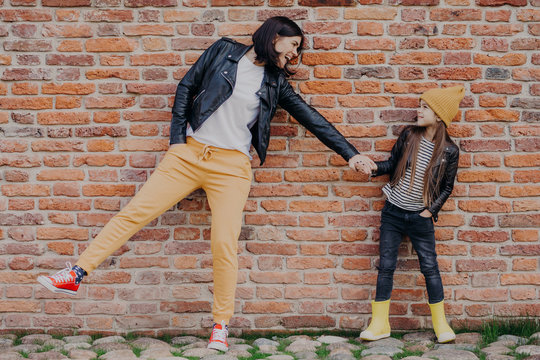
431,180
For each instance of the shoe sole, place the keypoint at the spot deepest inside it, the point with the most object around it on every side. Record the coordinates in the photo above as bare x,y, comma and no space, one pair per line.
445,338
374,338
218,346
45,282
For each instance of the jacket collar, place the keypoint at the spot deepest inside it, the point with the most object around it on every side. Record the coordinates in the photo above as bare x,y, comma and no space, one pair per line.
237,52
271,76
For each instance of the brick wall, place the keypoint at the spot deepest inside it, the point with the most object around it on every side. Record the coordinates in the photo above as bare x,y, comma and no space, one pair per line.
85,101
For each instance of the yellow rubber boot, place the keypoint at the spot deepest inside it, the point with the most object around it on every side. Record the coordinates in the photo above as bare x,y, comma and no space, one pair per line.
380,326
443,331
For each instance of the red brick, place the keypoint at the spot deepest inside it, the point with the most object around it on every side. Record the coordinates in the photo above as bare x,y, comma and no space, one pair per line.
505,60
477,310
526,160
523,294
275,277
110,45
526,205
498,88
308,321
109,102
326,43
449,73
371,13
19,103
327,27
70,46
520,279
158,60
370,44
24,89
482,295
519,191
296,292
480,265
454,29
264,307
456,15
524,250
334,58
61,248
482,236
524,235
18,291
528,15
526,74
369,29
422,58
25,190
484,206
403,29
484,176
496,30
309,263
66,189
18,204
20,306
483,251
16,176
524,264
498,15
532,220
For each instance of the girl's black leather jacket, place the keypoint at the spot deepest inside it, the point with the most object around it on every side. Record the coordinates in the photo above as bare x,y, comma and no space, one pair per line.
446,185
210,81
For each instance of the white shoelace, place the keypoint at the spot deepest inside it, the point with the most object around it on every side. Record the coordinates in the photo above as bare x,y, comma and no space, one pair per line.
220,334
64,274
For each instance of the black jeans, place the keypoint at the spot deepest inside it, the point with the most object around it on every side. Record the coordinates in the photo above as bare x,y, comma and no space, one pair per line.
396,222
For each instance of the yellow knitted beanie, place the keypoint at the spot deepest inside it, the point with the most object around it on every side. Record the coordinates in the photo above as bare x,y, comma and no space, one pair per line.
444,102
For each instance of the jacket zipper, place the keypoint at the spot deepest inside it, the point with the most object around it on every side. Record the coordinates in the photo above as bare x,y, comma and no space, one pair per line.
229,81
196,97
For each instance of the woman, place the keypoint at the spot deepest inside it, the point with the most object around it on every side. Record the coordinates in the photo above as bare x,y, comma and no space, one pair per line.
223,105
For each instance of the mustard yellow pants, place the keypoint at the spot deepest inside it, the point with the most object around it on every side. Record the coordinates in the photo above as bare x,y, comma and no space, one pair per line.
225,176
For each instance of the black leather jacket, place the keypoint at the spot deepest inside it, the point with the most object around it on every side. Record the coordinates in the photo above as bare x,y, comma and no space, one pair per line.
210,81
451,157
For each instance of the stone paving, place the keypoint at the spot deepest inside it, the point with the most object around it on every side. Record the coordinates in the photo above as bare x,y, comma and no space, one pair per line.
411,346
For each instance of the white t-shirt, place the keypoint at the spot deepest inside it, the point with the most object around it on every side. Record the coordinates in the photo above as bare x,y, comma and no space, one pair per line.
228,127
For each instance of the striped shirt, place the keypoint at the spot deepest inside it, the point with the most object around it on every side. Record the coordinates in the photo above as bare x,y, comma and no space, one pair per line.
412,199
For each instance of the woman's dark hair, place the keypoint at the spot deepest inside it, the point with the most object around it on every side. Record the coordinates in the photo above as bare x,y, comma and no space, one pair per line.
263,40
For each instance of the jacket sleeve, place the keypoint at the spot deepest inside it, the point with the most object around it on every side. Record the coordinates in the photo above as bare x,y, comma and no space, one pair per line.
186,90
448,186
312,120
389,166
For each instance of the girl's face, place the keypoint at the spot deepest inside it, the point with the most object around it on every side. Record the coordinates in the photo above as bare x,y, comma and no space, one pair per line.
287,48
426,116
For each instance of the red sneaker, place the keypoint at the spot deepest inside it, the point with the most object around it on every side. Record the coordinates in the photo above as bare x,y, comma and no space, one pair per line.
218,339
61,282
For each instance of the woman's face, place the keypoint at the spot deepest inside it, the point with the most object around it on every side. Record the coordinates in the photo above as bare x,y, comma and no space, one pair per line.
426,116
287,48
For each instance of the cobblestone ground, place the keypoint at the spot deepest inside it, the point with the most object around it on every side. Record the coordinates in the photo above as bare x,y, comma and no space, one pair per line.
412,346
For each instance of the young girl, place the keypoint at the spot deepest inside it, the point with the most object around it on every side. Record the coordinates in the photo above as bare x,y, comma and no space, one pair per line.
223,105
422,167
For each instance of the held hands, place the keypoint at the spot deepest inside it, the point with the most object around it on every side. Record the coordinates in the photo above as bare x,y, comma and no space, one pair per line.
362,163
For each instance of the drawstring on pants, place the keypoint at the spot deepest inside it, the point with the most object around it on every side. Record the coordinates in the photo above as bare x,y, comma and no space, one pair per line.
207,153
